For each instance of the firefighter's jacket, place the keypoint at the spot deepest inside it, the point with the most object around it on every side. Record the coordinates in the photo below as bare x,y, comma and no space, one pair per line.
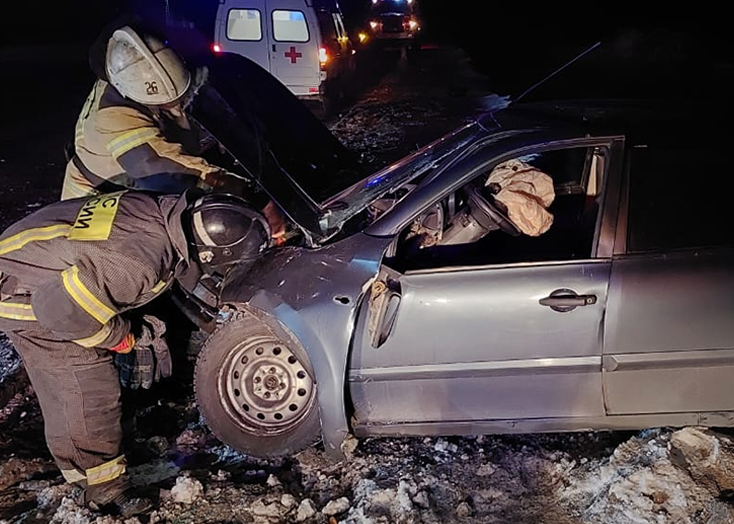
72,267
120,144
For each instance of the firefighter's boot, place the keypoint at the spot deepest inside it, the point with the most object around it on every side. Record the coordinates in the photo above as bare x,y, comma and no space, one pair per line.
118,497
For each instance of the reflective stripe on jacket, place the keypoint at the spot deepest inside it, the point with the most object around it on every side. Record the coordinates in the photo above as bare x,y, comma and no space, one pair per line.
120,144
75,265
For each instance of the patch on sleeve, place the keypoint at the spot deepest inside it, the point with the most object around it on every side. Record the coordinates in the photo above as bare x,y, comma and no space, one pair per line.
95,219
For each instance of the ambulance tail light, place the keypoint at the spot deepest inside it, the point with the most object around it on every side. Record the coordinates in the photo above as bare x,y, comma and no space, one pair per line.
216,48
323,57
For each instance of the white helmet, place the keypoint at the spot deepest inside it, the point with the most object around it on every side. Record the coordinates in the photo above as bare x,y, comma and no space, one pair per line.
144,69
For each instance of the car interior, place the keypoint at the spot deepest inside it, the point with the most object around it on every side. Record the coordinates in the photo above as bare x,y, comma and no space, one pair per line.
470,227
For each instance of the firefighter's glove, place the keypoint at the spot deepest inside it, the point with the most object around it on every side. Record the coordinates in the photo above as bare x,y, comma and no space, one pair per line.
149,360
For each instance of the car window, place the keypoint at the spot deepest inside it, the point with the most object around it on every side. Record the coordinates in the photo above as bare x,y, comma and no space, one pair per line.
678,199
290,26
244,24
552,200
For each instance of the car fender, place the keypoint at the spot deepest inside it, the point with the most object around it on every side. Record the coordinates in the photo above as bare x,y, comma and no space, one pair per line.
315,295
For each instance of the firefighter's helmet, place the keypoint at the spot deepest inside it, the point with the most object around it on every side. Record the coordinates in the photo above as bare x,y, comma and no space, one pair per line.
144,69
226,230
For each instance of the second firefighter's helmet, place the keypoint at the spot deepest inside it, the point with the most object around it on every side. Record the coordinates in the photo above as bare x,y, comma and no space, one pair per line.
225,230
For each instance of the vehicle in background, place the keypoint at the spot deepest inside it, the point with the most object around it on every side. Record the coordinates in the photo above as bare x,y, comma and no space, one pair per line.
394,22
302,43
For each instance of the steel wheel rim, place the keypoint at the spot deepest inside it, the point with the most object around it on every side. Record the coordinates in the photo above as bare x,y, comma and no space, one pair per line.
265,387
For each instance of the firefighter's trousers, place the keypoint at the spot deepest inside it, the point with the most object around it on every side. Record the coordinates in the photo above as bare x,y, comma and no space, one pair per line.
79,393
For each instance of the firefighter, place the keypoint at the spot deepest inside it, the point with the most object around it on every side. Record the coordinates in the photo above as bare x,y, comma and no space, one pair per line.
133,132
72,276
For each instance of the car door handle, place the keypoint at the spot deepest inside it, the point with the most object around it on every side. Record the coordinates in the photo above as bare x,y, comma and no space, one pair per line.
564,300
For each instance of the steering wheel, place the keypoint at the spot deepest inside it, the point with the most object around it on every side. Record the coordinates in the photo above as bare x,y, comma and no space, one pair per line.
488,214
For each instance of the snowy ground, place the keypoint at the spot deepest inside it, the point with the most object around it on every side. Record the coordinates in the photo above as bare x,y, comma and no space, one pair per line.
657,476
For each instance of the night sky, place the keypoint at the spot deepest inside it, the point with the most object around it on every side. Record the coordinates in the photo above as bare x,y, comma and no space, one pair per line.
514,42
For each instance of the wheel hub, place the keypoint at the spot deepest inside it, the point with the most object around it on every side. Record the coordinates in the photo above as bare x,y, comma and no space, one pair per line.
265,385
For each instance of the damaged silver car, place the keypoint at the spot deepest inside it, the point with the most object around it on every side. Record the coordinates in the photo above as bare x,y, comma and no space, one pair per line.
448,295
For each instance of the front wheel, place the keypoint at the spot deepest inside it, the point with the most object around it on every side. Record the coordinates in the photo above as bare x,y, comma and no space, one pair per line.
256,391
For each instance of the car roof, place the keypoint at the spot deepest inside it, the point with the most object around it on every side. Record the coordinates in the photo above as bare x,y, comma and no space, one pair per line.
640,120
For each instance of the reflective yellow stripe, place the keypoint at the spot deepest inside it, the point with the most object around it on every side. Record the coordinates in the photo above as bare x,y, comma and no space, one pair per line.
84,114
107,471
33,235
96,339
82,296
130,140
15,311
72,476
159,286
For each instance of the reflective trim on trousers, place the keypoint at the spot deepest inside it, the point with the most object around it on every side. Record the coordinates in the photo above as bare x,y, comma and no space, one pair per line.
107,471
72,476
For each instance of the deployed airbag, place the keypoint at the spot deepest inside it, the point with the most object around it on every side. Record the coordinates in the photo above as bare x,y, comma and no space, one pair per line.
526,192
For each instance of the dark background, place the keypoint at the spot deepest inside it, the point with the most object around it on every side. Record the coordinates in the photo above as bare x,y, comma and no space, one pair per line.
655,51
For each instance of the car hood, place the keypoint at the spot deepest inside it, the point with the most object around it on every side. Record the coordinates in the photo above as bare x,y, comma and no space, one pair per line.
275,141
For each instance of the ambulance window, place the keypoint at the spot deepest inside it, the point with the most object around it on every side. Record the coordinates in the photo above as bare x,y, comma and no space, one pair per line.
244,24
290,26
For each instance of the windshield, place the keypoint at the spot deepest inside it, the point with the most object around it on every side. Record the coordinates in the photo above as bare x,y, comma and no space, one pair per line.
435,155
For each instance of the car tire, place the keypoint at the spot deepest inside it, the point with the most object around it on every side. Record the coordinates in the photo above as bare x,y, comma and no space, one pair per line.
256,390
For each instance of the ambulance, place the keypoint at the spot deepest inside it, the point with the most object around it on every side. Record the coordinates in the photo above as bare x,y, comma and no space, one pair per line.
302,43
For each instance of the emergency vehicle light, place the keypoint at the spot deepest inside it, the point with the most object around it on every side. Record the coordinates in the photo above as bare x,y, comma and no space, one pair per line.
323,56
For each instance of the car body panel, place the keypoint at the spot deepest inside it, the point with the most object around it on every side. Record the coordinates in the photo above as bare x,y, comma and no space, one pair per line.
315,295
478,343
670,333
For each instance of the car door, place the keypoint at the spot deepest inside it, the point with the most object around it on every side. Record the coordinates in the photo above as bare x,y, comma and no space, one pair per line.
669,346
507,328
241,29
294,48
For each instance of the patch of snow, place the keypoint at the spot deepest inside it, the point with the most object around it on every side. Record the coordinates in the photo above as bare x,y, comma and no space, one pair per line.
187,490
272,481
305,511
272,510
288,500
336,507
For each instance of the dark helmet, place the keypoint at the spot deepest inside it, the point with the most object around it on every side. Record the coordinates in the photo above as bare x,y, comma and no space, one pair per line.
226,229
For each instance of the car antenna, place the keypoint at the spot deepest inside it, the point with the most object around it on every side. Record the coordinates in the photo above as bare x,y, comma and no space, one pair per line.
554,73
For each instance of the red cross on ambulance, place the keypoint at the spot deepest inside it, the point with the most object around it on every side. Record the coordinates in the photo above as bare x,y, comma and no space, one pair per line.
293,55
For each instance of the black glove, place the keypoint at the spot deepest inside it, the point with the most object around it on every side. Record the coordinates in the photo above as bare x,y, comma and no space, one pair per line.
149,360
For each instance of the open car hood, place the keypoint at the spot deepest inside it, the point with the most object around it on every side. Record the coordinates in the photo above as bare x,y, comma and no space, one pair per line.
270,137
